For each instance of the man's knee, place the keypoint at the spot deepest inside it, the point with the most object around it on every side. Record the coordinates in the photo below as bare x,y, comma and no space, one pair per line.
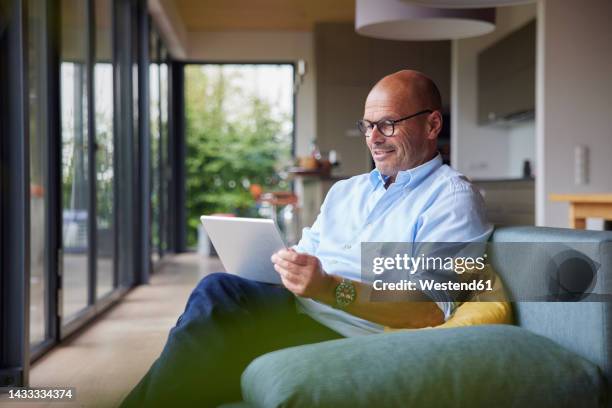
226,293
218,282
222,291
217,291
214,279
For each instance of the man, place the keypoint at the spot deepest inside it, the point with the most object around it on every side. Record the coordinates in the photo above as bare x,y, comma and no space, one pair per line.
409,197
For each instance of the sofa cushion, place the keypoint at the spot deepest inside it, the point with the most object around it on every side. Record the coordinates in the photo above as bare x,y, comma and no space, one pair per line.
480,366
583,327
475,313
472,314
484,308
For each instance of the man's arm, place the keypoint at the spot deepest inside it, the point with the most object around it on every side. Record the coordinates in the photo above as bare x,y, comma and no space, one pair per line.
458,216
302,274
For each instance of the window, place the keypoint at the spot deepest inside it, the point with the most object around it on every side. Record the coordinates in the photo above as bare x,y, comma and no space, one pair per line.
69,155
37,82
75,156
156,146
105,169
239,127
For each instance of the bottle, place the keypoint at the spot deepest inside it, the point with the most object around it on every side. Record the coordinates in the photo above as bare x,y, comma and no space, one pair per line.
314,151
526,169
333,158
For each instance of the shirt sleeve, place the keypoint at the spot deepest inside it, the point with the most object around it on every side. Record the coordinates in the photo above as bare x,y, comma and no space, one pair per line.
457,216
311,236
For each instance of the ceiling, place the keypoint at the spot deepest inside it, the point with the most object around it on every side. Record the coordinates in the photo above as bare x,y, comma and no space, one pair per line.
238,15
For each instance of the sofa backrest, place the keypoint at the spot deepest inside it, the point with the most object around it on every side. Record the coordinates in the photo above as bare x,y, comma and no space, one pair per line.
584,327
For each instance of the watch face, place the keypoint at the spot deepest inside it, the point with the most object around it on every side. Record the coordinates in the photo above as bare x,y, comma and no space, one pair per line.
345,293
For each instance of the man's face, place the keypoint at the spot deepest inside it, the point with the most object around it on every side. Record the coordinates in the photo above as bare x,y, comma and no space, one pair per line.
409,145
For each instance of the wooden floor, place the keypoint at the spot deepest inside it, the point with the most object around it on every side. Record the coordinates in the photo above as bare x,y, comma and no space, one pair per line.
107,359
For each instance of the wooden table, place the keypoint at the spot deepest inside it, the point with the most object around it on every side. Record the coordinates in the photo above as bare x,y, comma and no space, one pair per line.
583,206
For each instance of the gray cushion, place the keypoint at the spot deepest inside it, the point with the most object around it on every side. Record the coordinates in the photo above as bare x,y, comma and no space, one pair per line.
582,327
480,366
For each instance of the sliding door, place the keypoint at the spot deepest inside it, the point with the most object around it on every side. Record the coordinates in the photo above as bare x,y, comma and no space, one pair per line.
75,181
154,127
89,164
105,151
14,196
71,166
160,141
38,126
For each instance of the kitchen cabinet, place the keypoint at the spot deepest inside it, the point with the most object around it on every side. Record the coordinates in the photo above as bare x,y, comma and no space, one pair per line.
506,78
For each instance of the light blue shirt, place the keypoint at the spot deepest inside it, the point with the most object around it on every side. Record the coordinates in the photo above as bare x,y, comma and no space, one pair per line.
428,203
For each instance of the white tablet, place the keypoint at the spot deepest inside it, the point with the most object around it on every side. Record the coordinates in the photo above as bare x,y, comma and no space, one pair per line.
245,245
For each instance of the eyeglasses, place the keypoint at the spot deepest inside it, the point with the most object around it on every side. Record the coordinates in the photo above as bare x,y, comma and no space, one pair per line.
386,127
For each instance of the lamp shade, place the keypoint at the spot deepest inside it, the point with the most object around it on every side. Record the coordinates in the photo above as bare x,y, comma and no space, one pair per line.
467,3
397,20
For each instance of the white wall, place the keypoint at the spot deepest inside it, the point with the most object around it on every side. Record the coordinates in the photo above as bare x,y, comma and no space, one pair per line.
573,100
521,147
281,46
485,152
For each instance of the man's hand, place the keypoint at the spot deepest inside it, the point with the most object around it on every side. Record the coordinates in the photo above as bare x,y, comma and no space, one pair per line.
302,274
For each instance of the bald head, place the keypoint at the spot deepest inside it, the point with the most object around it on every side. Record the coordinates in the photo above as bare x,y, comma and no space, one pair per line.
411,102
411,90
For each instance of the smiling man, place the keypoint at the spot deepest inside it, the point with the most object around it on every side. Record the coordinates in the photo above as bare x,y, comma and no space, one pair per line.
409,197
401,122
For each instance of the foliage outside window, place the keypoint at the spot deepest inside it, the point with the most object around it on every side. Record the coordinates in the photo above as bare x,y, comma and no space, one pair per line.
238,138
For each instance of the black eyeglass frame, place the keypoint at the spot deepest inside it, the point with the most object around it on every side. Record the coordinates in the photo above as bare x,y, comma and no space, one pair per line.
387,122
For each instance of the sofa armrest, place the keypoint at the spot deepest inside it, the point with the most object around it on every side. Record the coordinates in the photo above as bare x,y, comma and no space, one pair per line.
490,365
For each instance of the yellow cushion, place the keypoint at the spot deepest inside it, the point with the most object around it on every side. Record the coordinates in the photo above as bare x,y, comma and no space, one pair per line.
475,313
495,310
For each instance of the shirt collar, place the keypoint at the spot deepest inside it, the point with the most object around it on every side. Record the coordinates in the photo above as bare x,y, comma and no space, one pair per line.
410,176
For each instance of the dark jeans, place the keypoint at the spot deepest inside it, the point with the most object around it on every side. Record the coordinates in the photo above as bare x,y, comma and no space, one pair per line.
228,321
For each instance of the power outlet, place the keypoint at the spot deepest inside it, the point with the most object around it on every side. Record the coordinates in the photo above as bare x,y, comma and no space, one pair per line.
581,165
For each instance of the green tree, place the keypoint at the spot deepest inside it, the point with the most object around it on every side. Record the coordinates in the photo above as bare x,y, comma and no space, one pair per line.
228,152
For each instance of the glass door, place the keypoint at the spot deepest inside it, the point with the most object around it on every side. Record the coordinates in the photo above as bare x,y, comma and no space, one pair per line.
164,143
154,127
105,157
160,173
88,178
39,182
75,182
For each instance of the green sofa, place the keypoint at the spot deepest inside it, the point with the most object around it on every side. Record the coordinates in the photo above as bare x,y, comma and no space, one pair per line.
558,355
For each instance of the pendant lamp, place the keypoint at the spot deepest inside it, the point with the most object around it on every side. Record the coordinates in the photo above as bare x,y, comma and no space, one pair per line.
467,3
398,20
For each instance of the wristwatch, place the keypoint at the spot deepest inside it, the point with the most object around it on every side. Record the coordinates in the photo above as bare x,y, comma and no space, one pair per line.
345,293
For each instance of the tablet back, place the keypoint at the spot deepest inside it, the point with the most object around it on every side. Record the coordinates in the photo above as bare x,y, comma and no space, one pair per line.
245,245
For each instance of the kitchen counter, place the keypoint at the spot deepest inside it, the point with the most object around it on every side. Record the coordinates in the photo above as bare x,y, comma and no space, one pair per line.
509,201
311,188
